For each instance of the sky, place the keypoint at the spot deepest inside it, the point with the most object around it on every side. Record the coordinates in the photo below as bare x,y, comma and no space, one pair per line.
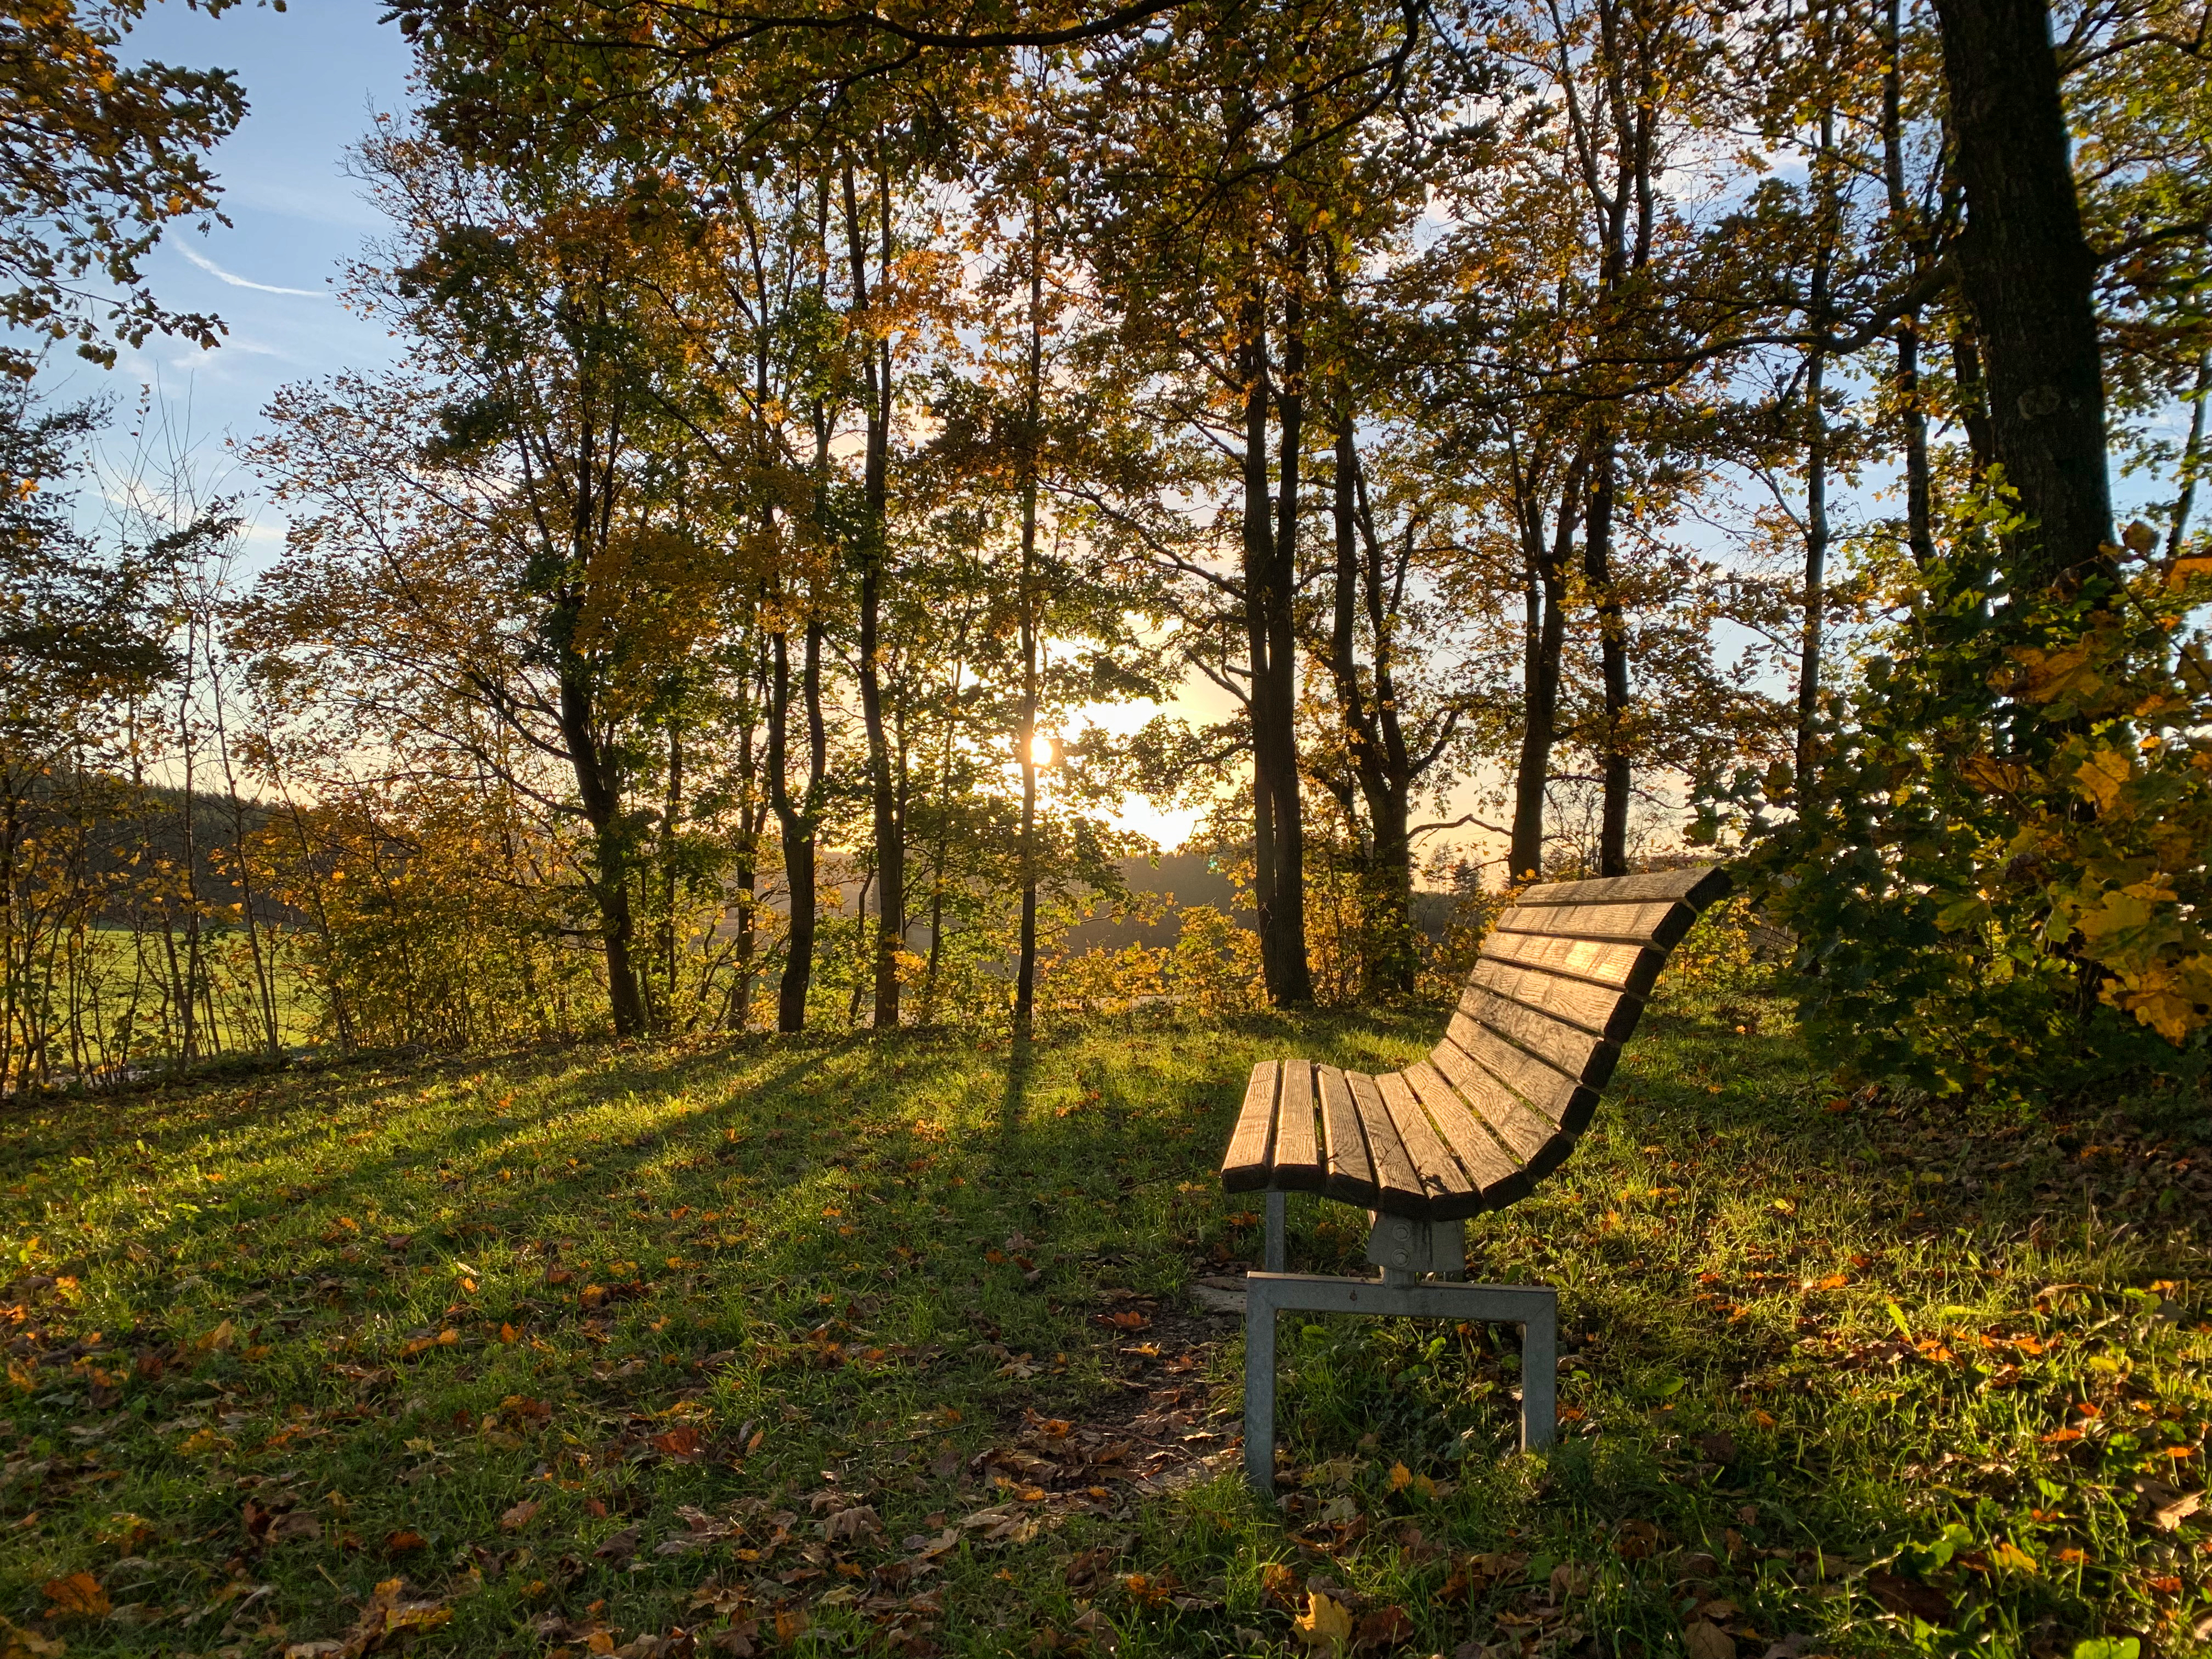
311,75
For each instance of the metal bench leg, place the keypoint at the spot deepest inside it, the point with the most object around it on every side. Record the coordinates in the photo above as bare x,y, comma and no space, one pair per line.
1534,1308
1540,1377
1276,1245
1260,1374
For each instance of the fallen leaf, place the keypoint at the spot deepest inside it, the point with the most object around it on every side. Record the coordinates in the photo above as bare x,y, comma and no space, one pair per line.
1720,1446
520,1516
1401,1477
1637,1541
1385,1627
1325,1623
1103,1636
618,1546
791,1624
683,1441
1706,1640
859,1522
77,1596
403,1542
1908,1599
2169,1517
29,1643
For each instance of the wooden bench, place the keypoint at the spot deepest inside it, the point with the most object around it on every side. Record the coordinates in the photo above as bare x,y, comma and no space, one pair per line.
1495,1108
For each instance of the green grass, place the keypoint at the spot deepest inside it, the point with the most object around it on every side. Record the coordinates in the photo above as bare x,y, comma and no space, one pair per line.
853,1305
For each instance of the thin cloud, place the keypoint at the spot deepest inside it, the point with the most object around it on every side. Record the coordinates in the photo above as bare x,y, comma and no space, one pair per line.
220,274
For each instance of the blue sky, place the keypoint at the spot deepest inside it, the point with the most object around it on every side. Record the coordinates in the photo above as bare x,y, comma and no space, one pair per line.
311,75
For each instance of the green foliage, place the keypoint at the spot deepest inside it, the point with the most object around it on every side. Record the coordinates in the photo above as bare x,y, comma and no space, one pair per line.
1996,877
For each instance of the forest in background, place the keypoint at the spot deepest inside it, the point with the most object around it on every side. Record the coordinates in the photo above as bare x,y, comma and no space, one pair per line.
1575,421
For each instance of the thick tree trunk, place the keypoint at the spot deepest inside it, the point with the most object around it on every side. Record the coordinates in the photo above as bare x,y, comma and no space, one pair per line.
1286,926
1259,570
2027,273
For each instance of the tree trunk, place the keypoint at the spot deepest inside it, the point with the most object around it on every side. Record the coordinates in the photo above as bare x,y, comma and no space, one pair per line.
598,788
882,788
2027,275
796,820
1612,661
2192,457
1259,570
1912,412
1547,642
1284,926
1816,571
1025,723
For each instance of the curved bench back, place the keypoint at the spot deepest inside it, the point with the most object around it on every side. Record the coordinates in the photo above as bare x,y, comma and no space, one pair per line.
1498,1103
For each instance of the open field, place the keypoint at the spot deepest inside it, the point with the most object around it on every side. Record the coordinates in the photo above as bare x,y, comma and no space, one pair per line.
849,1346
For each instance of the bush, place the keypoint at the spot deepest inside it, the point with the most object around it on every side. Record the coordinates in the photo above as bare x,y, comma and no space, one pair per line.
1997,878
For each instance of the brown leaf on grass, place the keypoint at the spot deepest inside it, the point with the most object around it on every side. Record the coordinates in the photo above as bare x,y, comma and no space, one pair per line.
791,1624
403,1542
16,1642
520,1516
299,1524
1639,1541
1704,1640
618,1546
1385,1627
1279,1582
1720,1446
1909,1599
848,1526
681,1443
388,1611
77,1596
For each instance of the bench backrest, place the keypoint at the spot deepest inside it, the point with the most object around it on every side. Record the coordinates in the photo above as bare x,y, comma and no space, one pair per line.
1559,988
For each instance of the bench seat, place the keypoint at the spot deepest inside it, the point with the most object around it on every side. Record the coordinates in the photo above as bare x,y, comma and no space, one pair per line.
1499,1102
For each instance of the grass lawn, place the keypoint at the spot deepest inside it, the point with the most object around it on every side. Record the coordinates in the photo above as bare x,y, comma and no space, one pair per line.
847,1345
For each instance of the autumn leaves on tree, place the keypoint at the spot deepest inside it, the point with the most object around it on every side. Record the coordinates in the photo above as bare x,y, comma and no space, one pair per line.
810,429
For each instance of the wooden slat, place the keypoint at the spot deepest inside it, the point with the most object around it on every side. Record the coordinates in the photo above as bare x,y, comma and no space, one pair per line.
1441,1178
1625,968
1698,886
1498,1175
1525,1133
1244,1166
1399,1189
1558,1100
1602,1012
1351,1172
1662,925
1573,1051
1297,1149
